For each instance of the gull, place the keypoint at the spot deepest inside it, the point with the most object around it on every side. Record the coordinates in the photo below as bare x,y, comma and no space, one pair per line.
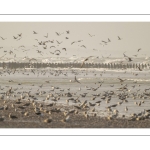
109,40
51,52
76,80
121,80
73,42
68,32
66,119
52,46
3,56
91,35
21,46
49,120
83,46
40,52
35,45
46,35
34,32
126,108
119,38
11,116
104,42
135,55
3,38
139,49
45,47
129,59
58,42
20,34
125,55
15,37
58,33
86,59
80,40
64,49
51,41
139,68
57,51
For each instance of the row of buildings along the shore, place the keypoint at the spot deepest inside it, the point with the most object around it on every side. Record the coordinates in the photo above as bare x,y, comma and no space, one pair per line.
15,65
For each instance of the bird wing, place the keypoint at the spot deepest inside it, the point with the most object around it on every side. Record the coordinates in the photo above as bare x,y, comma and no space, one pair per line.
77,80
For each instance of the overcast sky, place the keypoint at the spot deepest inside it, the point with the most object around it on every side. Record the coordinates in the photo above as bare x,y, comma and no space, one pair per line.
133,36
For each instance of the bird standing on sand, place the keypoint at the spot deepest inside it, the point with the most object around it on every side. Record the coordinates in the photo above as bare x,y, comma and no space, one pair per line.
66,119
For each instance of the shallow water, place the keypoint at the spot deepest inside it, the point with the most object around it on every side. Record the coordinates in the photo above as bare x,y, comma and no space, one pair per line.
89,78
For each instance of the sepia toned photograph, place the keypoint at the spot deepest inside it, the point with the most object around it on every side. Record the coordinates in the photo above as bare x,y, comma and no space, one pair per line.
74,74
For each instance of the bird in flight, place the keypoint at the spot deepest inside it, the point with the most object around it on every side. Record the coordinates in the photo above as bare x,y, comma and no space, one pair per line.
139,68
86,59
121,80
58,33
68,31
139,49
125,55
3,38
83,46
73,42
20,34
58,42
34,32
76,80
129,59
91,35
64,49
52,46
15,37
46,35
109,40
119,38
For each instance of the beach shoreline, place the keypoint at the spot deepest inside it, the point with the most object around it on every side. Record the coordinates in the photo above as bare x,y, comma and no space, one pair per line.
56,115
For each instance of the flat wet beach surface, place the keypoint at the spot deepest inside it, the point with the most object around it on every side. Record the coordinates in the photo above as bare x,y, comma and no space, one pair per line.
74,98
27,114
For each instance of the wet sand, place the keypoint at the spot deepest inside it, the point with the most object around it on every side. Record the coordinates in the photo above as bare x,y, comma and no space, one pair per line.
75,121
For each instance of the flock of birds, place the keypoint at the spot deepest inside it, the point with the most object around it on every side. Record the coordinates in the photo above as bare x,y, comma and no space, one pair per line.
19,98
87,100
53,47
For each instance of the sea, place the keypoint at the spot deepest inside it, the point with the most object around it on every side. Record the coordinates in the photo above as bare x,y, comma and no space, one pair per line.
93,82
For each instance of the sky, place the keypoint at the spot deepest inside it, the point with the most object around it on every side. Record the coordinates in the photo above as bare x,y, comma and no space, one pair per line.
134,36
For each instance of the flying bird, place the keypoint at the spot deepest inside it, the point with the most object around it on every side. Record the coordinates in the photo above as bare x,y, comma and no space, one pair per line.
119,38
83,46
139,49
3,38
76,80
52,46
139,68
68,32
46,35
86,59
34,32
91,35
58,42
64,49
15,37
20,34
121,80
73,42
129,59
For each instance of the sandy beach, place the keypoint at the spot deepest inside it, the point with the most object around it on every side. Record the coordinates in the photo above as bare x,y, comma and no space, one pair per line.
56,116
